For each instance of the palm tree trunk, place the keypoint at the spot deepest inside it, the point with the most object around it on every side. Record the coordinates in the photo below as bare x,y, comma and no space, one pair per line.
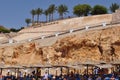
37,18
52,16
49,17
32,19
27,25
46,18
62,16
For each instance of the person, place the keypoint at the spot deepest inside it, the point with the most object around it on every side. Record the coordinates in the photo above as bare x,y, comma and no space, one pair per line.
112,78
64,78
96,70
45,76
107,78
1,76
98,78
71,76
8,76
77,76
90,78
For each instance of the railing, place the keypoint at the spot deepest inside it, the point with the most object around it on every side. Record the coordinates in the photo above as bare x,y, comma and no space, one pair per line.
83,28
71,31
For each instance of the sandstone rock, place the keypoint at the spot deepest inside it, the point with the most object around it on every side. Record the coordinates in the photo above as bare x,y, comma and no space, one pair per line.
95,45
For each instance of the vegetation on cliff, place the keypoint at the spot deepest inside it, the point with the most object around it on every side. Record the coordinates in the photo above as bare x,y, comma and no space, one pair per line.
4,30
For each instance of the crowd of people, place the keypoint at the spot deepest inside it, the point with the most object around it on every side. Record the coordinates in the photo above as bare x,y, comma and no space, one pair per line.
70,76
97,74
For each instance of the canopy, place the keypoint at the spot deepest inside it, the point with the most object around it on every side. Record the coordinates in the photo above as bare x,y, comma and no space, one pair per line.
104,66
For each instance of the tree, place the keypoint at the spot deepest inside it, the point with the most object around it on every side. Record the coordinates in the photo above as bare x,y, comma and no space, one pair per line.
62,9
87,8
82,9
4,30
99,9
46,14
33,12
28,21
16,30
13,30
78,10
114,7
49,13
52,8
38,12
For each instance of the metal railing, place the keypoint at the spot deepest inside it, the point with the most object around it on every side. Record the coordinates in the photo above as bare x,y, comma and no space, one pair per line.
71,31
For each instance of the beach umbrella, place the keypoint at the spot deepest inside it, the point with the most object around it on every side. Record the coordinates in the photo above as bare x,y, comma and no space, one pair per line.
76,66
37,65
102,62
115,62
2,64
88,63
104,66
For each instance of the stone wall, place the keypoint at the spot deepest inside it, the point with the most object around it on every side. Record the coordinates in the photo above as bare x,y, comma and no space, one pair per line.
116,16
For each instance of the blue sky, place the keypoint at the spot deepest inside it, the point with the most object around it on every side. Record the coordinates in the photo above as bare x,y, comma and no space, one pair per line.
14,12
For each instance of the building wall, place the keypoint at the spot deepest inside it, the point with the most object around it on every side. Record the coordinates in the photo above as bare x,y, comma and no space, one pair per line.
116,16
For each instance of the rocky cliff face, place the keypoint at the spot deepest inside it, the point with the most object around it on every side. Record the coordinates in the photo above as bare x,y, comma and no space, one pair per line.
95,45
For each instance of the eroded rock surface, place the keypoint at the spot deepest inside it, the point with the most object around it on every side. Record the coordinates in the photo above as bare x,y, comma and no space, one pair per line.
95,45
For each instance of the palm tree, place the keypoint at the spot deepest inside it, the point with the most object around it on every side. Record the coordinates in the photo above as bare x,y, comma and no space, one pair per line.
114,7
33,12
49,13
28,21
46,14
62,9
38,12
51,9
